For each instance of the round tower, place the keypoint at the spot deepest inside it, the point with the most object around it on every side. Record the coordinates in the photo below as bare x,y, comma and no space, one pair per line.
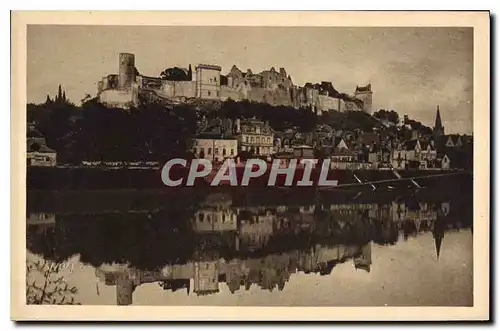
126,71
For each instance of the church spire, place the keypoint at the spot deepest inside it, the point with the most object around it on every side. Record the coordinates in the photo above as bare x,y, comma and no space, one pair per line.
438,125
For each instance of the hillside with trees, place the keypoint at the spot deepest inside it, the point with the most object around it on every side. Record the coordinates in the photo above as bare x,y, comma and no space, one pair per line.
155,131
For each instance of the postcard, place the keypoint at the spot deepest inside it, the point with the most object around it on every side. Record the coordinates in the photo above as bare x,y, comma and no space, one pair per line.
250,166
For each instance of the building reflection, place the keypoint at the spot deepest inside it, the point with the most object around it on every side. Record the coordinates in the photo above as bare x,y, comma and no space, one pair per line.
243,245
205,277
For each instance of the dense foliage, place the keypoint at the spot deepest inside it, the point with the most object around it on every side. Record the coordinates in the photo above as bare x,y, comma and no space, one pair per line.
279,118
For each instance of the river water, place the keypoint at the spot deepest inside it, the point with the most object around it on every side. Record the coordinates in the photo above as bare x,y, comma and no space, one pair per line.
244,248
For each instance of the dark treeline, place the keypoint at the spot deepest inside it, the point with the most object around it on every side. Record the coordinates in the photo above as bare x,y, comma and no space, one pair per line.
97,133
279,117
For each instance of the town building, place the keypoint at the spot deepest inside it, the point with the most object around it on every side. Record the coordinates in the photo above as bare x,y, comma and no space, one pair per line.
379,157
428,155
37,152
255,136
214,147
303,152
453,141
399,158
443,161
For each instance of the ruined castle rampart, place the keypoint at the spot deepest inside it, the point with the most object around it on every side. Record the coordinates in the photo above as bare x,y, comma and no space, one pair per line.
274,87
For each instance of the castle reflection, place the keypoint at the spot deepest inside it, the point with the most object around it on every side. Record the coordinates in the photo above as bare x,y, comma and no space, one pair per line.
226,240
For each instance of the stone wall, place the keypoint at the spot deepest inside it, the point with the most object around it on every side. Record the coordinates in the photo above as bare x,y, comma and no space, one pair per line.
119,99
229,93
327,103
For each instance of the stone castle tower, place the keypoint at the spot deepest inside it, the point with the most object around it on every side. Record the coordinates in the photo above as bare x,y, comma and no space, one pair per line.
438,130
126,71
365,94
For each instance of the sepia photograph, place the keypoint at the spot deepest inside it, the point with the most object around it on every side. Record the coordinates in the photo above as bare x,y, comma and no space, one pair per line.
229,165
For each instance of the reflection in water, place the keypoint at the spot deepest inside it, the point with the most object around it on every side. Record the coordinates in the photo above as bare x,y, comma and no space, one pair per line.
222,238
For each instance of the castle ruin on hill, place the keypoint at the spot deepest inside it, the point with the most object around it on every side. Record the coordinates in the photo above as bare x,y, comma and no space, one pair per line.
275,87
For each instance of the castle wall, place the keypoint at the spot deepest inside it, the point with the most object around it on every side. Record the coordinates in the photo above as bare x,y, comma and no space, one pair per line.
351,106
177,89
168,89
229,93
327,103
117,98
270,86
185,89
257,94
277,97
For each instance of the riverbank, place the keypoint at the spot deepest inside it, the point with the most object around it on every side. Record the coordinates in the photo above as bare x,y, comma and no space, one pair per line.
88,178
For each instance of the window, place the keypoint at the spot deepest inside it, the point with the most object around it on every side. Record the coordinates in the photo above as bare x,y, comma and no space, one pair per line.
252,140
209,93
216,151
200,217
202,151
224,152
258,140
215,79
246,139
209,151
232,151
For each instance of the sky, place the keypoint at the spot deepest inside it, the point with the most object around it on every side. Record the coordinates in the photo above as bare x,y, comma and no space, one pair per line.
412,70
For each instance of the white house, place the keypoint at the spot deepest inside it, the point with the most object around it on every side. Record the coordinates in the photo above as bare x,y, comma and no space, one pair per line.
214,148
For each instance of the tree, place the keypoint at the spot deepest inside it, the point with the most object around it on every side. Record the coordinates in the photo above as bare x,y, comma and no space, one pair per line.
175,74
59,94
46,285
393,117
